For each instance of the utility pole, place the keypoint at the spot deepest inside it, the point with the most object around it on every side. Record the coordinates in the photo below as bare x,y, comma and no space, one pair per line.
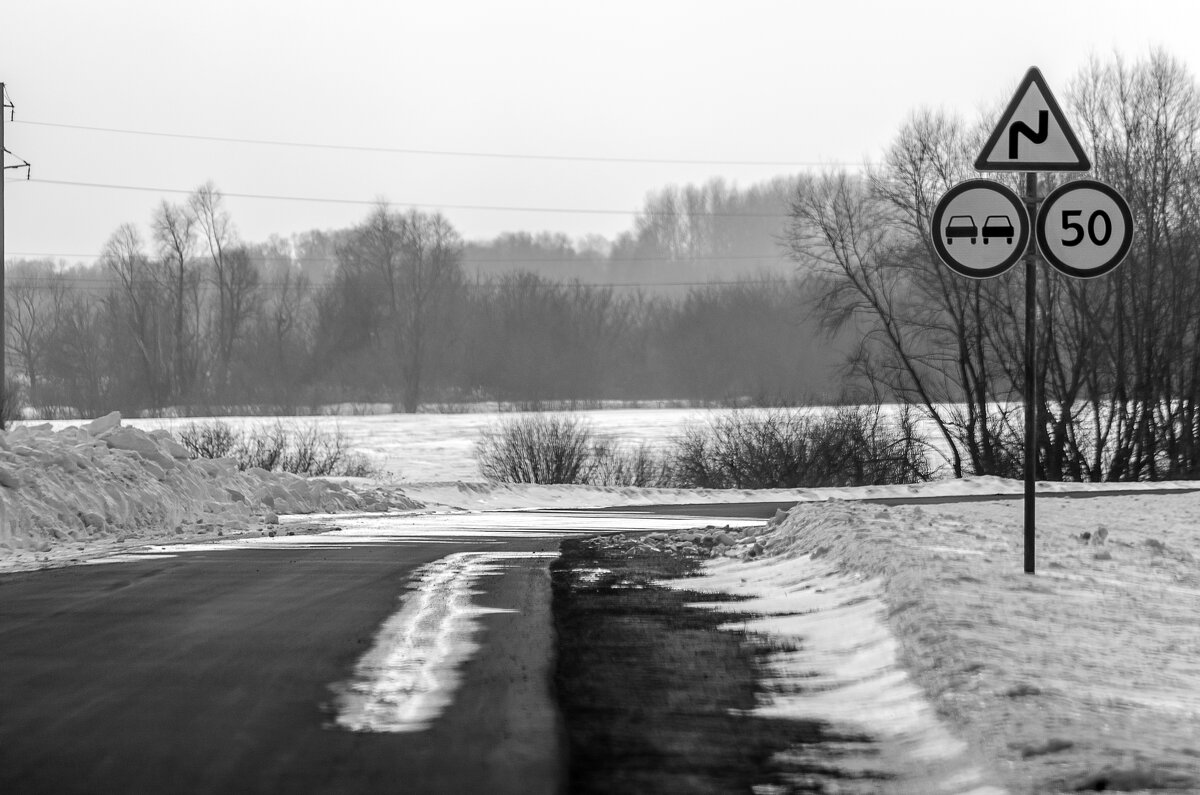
5,105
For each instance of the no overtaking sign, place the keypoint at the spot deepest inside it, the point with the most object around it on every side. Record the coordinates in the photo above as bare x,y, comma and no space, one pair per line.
980,228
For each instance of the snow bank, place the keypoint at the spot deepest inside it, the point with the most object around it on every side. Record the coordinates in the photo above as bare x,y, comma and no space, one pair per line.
833,659
1083,676
829,656
80,490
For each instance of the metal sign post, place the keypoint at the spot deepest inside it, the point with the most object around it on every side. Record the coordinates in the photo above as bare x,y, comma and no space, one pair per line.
1031,396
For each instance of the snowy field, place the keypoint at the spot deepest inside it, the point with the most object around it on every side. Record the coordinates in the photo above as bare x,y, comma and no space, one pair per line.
438,447
426,448
916,622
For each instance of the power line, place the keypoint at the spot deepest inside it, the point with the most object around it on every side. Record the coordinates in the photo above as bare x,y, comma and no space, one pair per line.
415,205
323,200
470,260
44,283
447,152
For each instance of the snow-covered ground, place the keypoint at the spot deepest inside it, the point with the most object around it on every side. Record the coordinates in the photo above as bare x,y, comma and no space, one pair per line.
835,660
438,447
1084,675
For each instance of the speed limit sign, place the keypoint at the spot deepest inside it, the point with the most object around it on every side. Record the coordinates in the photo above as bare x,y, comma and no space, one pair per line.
1084,228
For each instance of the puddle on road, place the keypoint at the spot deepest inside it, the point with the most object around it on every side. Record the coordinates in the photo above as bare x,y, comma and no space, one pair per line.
447,528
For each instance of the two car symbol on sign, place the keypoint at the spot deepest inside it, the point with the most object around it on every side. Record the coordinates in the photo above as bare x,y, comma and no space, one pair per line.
974,209
993,226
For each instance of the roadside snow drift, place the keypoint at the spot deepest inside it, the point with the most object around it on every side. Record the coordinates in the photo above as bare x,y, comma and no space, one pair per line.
84,489
1082,677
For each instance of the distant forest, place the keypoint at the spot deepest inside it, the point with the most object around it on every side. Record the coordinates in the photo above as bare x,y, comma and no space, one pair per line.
698,302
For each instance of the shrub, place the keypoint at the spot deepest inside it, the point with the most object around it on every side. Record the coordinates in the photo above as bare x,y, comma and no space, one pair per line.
852,446
558,448
264,447
302,451
536,448
778,448
613,465
209,440
314,452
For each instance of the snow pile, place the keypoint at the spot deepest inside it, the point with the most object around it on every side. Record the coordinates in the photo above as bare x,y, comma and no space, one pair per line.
84,489
733,539
1082,677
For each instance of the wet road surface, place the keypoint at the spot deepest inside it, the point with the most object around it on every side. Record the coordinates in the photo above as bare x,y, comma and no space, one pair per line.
211,672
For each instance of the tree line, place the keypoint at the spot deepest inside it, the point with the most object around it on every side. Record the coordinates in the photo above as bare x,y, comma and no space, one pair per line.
1118,367
183,316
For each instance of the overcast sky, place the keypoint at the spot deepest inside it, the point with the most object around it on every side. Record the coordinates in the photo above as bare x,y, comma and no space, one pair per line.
728,85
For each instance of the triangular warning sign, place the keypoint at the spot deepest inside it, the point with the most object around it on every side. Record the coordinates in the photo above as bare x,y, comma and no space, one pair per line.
1033,134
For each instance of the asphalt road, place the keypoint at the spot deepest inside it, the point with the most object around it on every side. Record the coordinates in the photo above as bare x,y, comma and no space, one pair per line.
210,672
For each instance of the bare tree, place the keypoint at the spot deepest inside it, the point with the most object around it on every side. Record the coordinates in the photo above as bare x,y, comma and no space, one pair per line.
411,265
34,296
928,337
174,234
1118,367
1142,123
276,352
430,276
77,359
138,301
231,272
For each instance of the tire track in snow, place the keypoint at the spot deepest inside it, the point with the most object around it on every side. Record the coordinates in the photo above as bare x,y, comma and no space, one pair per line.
410,674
